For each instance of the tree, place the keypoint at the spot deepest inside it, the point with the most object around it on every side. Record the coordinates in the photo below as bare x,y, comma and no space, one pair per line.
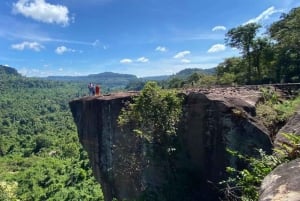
286,33
175,82
155,113
242,38
194,78
231,66
259,50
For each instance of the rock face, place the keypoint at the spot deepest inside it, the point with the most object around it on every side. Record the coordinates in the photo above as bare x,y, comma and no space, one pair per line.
213,120
282,184
109,148
291,127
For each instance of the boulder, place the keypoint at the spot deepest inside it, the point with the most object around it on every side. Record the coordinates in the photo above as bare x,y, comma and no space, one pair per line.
282,184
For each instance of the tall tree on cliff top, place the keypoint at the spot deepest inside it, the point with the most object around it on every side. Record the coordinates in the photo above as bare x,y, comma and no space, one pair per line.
286,33
242,38
261,59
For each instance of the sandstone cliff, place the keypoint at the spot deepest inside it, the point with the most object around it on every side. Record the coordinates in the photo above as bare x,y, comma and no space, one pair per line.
282,184
213,120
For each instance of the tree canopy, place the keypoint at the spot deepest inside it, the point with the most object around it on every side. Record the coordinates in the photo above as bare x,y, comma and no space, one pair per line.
270,58
40,154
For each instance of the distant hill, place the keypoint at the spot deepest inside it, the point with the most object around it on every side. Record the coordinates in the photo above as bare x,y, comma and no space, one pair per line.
8,71
181,74
107,79
155,78
93,77
189,71
11,79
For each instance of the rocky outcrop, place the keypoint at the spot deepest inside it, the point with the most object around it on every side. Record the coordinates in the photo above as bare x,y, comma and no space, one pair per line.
110,150
282,184
213,120
291,127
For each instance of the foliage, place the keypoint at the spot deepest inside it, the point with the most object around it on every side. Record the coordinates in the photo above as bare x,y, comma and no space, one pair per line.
185,73
153,116
286,33
193,80
7,191
176,83
227,79
268,117
242,38
272,58
290,147
155,113
272,112
40,154
287,108
244,184
269,95
135,85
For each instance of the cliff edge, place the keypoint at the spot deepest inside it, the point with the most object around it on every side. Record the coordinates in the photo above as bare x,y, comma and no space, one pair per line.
213,120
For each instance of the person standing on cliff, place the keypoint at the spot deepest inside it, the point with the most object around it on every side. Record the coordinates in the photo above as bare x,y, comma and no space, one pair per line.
91,89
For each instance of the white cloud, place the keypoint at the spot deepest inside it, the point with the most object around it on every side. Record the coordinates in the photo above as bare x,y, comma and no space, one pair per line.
96,43
216,48
186,61
219,28
42,11
264,15
142,60
161,49
63,49
60,69
182,54
126,61
27,45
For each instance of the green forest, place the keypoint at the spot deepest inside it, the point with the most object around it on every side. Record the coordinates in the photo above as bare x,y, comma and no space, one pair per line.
40,154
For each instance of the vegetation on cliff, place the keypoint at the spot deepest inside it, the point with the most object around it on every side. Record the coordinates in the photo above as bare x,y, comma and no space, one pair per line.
154,116
244,184
274,112
154,113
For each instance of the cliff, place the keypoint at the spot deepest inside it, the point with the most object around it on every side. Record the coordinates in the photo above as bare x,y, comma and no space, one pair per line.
213,120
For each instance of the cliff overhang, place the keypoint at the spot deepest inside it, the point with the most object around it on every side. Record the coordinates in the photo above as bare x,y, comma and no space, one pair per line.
213,120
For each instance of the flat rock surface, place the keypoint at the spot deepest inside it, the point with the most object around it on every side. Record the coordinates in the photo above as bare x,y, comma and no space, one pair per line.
282,184
250,95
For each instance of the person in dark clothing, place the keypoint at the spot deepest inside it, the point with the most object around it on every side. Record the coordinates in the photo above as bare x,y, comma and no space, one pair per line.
91,89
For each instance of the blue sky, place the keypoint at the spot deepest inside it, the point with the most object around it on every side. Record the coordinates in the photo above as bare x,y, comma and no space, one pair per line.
141,37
